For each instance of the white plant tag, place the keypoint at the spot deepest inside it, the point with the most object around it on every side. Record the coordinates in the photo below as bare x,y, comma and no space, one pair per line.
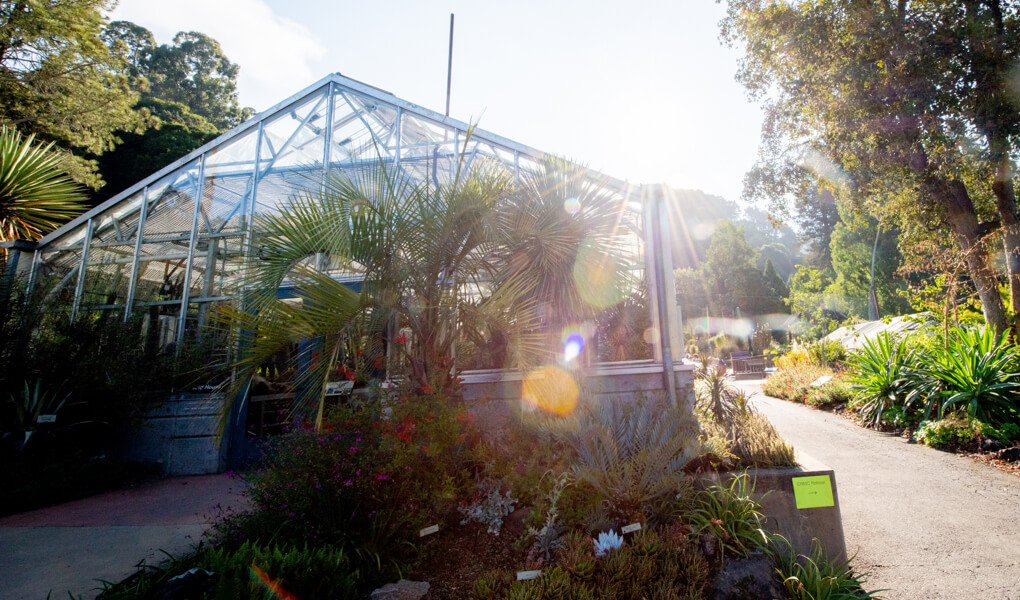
526,575
46,419
821,381
631,528
428,531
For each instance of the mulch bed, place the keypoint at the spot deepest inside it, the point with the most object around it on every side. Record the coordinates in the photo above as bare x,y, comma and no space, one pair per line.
459,554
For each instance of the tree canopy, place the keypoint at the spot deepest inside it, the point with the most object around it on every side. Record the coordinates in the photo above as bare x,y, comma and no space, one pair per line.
59,81
905,109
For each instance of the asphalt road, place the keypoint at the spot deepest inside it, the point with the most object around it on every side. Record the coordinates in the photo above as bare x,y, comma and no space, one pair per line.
925,524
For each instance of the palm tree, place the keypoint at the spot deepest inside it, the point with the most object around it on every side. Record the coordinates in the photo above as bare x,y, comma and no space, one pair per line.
564,232
36,194
423,254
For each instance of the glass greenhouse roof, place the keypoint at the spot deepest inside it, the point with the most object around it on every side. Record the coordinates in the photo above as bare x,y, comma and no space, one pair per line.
174,240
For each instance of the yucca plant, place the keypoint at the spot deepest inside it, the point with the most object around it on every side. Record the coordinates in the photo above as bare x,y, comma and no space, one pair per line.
975,373
731,515
36,194
878,375
816,577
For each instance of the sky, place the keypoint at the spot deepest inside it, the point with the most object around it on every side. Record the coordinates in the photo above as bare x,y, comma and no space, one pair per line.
644,93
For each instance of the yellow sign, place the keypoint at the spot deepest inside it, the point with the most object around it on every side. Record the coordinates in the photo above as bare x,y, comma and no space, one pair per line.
813,492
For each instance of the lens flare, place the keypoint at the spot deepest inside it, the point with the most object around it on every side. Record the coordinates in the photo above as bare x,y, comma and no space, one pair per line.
572,206
272,588
572,347
599,277
551,389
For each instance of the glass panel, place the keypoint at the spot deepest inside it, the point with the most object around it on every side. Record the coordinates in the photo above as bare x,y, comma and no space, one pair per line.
217,267
363,128
119,223
291,155
107,275
172,207
58,275
229,172
160,280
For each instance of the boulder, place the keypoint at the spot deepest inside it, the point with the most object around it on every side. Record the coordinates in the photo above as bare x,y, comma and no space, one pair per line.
402,590
752,578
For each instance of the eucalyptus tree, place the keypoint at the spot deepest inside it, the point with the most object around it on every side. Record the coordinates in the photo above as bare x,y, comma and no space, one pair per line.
905,108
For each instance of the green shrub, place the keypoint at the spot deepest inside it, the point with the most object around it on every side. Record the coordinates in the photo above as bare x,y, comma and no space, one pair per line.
731,516
876,377
948,432
756,443
826,353
1006,433
793,383
975,372
363,482
816,577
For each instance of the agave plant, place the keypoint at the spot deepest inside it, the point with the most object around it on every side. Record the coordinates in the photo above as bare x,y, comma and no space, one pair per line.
878,375
26,411
975,372
36,195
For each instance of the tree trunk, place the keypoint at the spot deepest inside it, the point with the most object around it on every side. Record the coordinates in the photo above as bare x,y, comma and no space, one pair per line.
960,216
1005,199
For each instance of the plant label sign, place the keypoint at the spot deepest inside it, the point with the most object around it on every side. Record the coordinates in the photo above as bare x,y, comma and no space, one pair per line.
526,575
428,531
821,381
46,419
813,492
630,528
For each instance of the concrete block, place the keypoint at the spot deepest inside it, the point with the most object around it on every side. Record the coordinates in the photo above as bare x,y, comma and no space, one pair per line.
774,489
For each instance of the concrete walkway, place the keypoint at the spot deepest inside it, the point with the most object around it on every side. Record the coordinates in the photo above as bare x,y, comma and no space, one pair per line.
926,524
67,548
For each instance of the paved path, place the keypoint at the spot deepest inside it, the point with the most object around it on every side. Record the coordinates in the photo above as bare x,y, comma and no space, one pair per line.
67,548
927,525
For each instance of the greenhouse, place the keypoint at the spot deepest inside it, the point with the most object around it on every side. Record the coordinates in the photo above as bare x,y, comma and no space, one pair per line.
171,248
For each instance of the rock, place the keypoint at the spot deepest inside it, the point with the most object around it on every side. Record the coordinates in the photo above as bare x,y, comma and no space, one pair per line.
991,445
1010,454
751,578
401,590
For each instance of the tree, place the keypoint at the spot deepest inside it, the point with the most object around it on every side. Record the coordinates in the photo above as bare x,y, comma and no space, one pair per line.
188,93
36,194
735,282
193,71
809,301
904,109
175,132
853,246
60,82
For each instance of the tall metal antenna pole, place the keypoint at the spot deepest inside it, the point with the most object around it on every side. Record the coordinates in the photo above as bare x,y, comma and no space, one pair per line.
449,68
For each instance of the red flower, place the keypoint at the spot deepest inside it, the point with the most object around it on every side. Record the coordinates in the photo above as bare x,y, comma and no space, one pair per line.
360,352
401,339
427,389
350,375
